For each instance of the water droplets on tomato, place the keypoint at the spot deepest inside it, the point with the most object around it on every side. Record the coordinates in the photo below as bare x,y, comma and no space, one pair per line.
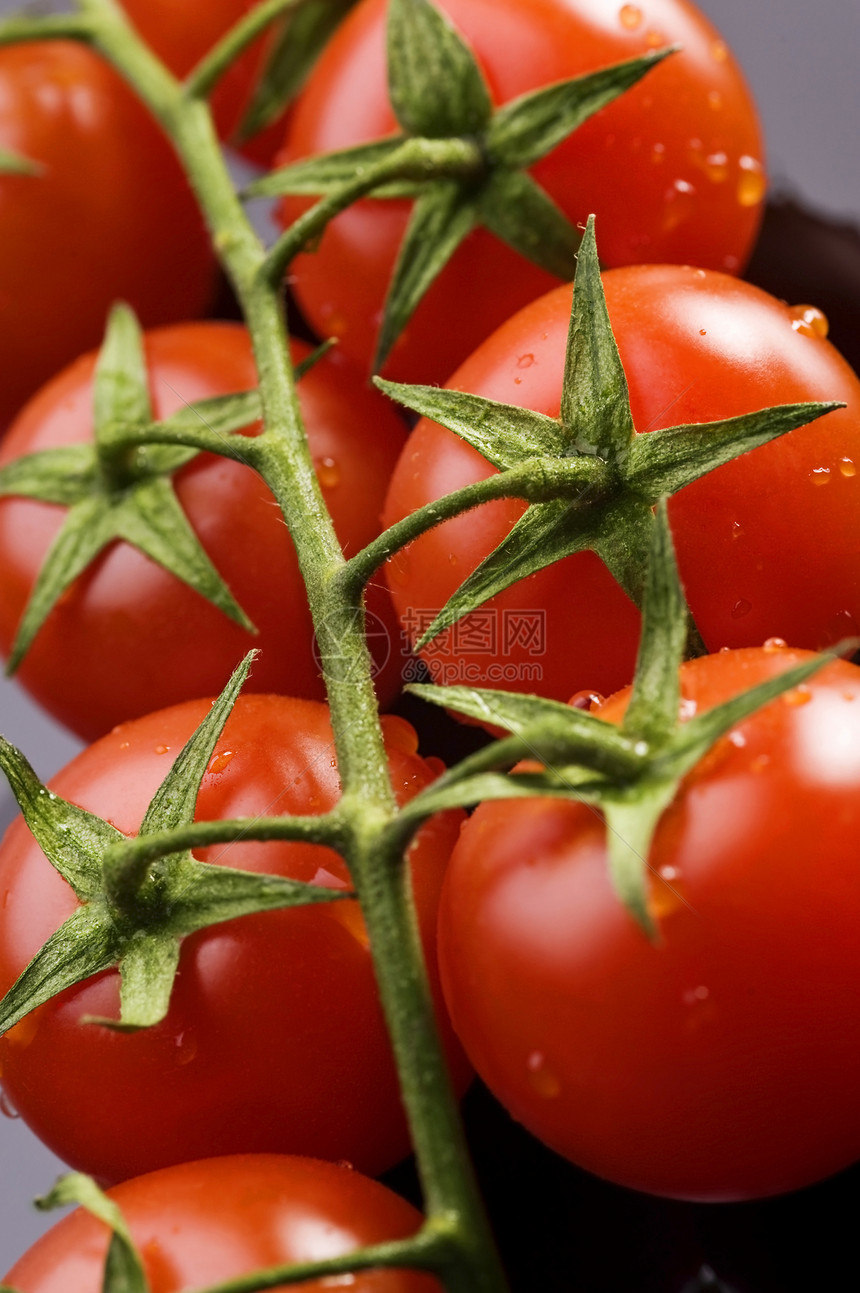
541,1077
630,16
809,321
751,182
220,761
741,608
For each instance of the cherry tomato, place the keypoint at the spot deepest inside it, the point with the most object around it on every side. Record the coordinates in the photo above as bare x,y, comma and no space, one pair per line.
182,34
275,1039
767,545
203,1223
721,1060
109,215
673,168
128,637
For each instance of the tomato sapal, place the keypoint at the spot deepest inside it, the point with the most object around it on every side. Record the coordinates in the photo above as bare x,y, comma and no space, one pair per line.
128,637
768,545
275,1039
721,1059
673,168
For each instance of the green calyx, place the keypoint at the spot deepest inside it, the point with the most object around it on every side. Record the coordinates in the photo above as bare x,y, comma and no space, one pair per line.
476,175
123,1271
590,481
630,772
119,486
138,903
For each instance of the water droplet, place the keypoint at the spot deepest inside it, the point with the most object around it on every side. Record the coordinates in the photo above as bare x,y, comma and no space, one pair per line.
699,273
680,202
654,39
630,16
518,381
719,51
542,1078
658,153
333,763
741,608
452,559
687,708
715,100
525,361
694,995
797,696
760,763
219,761
124,745
328,472
731,264
666,895
809,321
703,332
586,700
345,1164
641,748
7,1108
820,476
737,739
186,1046
751,182
847,467
162,749
716,167
775,644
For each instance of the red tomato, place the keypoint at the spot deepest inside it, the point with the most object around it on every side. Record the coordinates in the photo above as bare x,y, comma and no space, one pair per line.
203,1223
128,637
673,168
722,1060
275,1039
109,216
182,33
768,545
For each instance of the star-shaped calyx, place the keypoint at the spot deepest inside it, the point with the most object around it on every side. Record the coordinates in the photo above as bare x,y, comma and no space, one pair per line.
630,772
135,911
591,482
118,487
463,161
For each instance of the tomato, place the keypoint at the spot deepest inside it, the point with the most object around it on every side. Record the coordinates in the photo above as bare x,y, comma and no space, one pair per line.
673,168
767,545
182,34
128,637
109,215
275,1039
206,1222
721,1060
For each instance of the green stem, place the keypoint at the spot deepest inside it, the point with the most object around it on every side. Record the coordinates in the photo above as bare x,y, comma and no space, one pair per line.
425,1251
203,78
415,159
367,807
67,26
142,850
534,481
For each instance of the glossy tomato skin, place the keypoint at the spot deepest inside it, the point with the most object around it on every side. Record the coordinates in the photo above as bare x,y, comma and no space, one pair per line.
181,34
109,216
206,1222
673,169
768,545
128,637
721,1060
275,1039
